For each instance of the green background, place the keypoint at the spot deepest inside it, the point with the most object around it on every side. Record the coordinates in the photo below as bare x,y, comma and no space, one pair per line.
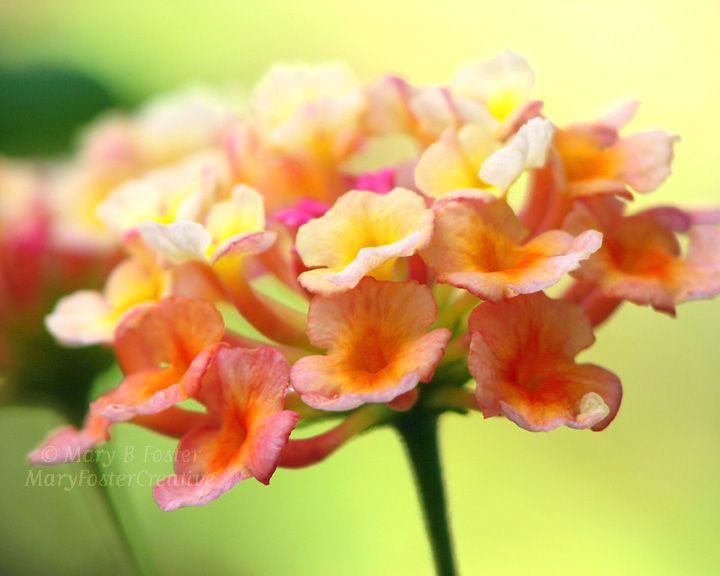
641,498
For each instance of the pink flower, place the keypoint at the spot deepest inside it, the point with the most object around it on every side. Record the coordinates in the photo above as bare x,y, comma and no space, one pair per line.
164,350
244,433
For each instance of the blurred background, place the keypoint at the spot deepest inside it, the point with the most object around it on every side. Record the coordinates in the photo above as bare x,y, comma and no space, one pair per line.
641,498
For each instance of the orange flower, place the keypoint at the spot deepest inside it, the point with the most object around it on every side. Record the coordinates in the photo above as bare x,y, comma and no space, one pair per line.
378,345
484,248
596,159
641,259
522,356
164,350
244,433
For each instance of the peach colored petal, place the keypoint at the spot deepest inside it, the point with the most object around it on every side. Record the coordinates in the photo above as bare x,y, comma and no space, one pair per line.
597,160
178,241
250,243
176,492
377,341
309,110
620,115
165,351
133,281
244,392
387,106
642,261
172,332
522,357
482,247
699,277
152,391
646,159
68,444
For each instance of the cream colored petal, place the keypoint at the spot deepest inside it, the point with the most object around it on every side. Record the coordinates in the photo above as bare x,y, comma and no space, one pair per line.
452,163
81,319
242,214
503,83
309,109
179,241
527,149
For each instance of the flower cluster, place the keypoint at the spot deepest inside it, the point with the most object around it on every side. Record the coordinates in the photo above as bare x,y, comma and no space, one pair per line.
349,251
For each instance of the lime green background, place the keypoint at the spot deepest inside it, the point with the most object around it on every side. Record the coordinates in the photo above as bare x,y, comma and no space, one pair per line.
641,498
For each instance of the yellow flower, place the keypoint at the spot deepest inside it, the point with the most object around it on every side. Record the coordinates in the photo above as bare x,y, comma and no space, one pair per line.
363,234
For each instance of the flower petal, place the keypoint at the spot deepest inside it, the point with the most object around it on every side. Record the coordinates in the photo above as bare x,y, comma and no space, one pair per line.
480,246
452,162
81,319
522,358
362,234
503,83
179,241
244,392
68,444
377,341
527,149
646,159
165,351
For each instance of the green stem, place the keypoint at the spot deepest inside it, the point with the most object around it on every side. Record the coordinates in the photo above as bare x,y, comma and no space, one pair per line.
419,431
116,520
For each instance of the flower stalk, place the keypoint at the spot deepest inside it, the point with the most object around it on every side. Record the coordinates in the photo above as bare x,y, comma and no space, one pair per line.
419,432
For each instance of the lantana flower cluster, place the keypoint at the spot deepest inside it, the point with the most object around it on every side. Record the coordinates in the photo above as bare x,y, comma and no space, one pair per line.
390,246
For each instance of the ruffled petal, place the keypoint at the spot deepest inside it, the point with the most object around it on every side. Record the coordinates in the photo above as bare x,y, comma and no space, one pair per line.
481,247
522,358
377,341
363,234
